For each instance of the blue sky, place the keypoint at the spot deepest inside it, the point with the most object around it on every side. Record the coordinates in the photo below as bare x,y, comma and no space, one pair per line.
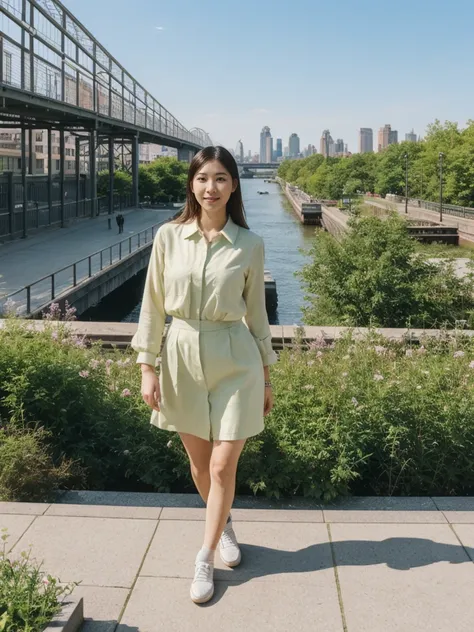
296,65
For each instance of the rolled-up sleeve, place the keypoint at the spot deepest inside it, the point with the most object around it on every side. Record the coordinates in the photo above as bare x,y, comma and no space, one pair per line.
151,324
254,296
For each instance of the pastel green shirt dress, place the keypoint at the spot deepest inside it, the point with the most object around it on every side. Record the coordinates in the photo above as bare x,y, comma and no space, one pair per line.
211,377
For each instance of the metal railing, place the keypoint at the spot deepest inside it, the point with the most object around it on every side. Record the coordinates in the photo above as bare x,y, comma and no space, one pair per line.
39,216
46,51
26,301
448,209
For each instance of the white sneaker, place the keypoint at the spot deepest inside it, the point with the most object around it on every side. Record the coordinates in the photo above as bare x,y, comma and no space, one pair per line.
229,549
202,588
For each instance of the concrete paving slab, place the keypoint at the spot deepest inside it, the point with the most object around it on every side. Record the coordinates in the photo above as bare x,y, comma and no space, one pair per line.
102,606
403,578
465,533
271,551
405,517
459,517
96,551
163,604
247,515
104,511
16,526
32,509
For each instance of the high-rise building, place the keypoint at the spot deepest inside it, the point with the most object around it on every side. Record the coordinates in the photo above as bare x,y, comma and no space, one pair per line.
279,149
268,149
366,140
387,136
393,137
326,144
239,151
286,152
294,145
411,136
339,147
265,146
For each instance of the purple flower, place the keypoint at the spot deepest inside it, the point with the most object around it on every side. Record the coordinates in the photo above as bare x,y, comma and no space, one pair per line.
94,364
459,354
126,392
84,373
54,335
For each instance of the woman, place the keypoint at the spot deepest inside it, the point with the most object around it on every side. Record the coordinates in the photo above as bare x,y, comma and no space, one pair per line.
207,271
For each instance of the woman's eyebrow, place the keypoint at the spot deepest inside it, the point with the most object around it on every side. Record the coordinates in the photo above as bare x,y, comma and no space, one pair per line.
221,173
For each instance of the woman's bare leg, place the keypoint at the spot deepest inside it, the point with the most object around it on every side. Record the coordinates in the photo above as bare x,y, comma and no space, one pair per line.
199,453
223,468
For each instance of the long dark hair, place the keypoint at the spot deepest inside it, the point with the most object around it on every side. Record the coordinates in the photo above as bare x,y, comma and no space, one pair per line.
235,205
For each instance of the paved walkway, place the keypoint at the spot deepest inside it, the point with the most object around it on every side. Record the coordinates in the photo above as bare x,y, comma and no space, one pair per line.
362,565
24,261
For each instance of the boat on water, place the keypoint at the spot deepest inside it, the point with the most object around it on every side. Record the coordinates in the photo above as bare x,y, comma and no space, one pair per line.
262,192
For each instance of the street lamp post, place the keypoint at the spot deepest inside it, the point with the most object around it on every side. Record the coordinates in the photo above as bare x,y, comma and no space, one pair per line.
406,184
441,156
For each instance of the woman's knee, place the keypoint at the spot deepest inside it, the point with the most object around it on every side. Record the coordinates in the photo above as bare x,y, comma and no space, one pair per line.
222,471
199,468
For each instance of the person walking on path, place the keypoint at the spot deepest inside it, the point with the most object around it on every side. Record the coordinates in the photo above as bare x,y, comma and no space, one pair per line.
122,222
206,270
117,219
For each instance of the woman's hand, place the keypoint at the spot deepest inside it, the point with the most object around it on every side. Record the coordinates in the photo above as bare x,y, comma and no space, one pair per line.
151,392
268,400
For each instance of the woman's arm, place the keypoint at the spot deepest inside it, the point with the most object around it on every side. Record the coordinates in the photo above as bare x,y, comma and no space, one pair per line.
151,323
256,317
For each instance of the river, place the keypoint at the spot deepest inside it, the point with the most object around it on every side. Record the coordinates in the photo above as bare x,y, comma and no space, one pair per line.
271,217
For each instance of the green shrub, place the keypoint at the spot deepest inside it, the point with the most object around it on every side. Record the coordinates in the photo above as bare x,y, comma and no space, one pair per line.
360,416
374,278
28,597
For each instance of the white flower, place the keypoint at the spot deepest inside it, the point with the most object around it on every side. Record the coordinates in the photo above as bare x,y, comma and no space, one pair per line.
459,354
380,350
422,350
310,362
345,374
126,452
319,354
471,364
346,357
169,444
418,388
94,364
84,373
426,372
354,401
409,353
378,377
308,387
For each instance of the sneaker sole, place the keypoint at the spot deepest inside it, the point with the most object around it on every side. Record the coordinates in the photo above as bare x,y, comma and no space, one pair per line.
202,599
232,564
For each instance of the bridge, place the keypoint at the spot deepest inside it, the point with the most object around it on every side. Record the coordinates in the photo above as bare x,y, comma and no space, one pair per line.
255,166
55,76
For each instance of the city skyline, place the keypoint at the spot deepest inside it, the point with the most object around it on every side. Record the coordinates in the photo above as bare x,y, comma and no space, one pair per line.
405,83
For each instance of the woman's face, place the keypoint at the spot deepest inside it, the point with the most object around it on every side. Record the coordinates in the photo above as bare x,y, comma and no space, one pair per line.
212,186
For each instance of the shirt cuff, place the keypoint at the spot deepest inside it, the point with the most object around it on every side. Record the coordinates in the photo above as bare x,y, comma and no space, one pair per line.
266,350
144,357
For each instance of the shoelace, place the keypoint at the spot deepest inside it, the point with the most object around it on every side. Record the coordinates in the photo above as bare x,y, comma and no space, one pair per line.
228,538
203,570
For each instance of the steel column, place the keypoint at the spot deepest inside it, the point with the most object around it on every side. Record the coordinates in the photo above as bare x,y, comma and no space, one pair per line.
61,172
78,173
30,151
50,174
111,174
23,178
93,173
11,203
135,161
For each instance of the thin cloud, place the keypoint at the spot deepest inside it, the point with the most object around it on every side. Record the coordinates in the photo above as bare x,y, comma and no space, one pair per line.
260,111
160,28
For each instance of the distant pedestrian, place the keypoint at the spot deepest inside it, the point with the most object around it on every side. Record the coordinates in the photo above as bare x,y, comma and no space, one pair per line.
122,222
117,219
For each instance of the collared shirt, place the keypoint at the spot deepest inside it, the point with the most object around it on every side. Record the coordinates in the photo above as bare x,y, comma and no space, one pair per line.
190,278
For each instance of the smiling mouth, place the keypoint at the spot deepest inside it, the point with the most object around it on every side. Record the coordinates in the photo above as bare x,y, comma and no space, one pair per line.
211,199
